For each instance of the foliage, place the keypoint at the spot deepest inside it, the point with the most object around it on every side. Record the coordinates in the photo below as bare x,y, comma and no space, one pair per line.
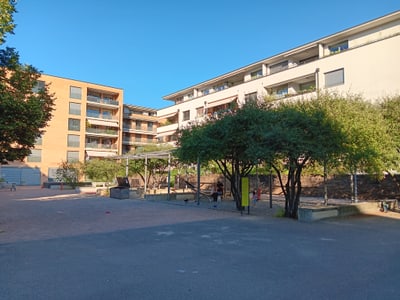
104,170
332,130
226,142
25,110
156,167
391,113
69,173
7,9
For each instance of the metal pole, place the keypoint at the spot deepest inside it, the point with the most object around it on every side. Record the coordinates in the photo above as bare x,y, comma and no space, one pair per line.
145,175
270,186
169,175
198,181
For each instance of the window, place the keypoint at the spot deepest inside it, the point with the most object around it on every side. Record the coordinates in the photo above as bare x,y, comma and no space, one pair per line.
256,74
74,124
73,140
35,156
75,92
138,125
107,114
250,97
205,92
38,141
149,139
39,86
93,112
336,48
138,138
334,78
150,126
74,108
72,156
186,115
307,86
200,111
278,67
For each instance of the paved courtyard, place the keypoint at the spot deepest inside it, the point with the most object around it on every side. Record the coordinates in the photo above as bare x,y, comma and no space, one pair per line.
62,245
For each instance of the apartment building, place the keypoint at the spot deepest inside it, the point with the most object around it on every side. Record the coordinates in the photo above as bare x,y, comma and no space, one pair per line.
86,124
139,127
363,59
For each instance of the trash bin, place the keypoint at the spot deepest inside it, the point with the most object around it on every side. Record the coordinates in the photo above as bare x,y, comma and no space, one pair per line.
122,190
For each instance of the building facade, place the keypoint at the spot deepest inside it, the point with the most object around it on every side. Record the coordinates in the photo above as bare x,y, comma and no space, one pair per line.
86,124
139,127
360,60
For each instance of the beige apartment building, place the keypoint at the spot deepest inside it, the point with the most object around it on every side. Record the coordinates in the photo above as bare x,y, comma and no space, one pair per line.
363,59
86,124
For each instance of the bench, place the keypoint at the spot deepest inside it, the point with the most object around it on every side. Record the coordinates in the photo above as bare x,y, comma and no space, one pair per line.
388,204
9,185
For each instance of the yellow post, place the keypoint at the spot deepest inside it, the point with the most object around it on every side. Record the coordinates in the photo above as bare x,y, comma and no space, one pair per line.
245,191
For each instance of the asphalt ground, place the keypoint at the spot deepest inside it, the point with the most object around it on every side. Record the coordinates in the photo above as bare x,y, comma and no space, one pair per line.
62,245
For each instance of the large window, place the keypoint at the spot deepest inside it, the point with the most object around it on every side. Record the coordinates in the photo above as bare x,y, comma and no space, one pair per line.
75,92
334,78
73,140
252,97
278,67
74,124
35,156
74,108
200,111
150,126
138,125
336,48
72,156
39,86
256,74
186,115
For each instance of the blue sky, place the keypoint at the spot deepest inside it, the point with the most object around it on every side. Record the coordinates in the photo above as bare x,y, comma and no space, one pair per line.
154,48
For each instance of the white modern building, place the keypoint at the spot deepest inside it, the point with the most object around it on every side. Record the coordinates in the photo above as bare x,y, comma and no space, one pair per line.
363,59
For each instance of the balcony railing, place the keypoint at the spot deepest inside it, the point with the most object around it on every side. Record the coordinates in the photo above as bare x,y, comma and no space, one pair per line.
100,146
102,131
102,100
91,114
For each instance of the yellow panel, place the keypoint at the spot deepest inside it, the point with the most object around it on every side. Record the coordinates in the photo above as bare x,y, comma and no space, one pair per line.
245,191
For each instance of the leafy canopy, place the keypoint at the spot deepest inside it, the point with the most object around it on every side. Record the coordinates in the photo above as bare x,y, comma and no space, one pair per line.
25,106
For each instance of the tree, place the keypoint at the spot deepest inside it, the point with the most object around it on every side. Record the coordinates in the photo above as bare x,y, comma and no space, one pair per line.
103,170
69,173
368,146
25,105
294,135
226,142
156,167
391,113
7,9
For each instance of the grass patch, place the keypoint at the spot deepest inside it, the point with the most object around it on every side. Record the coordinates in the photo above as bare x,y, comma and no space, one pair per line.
280,213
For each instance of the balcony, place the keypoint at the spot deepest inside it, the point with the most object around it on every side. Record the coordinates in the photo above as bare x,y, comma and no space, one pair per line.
99,100
100,131
96,115
101,146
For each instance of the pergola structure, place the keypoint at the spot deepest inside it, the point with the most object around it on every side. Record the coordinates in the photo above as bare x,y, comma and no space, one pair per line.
146,156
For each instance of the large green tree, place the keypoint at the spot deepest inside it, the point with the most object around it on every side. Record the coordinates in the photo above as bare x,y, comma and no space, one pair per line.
25,105
225,141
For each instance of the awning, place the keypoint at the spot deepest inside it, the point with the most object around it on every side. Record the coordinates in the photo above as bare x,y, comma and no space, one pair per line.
168,115
221,102
100,154
102,123
167,133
